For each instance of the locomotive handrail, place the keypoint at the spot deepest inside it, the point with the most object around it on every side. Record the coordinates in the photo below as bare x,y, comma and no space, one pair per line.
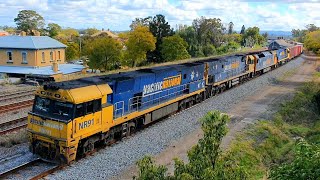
116,109
138,104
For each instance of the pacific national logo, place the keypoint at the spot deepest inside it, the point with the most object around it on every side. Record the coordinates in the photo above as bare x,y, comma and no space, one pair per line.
165,84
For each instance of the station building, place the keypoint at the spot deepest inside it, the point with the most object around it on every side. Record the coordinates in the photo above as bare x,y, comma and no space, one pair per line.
35,55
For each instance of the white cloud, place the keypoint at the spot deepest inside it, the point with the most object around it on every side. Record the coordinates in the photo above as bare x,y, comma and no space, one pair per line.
118,14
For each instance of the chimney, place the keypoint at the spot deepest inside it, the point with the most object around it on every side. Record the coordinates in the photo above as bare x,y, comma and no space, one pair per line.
22,33
55,67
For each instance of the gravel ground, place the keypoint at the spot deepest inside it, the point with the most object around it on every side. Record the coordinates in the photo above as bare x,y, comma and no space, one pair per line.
12,115
112,160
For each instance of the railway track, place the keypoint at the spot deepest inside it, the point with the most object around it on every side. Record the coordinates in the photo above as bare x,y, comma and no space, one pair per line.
16,106
13,125
32,164
11,96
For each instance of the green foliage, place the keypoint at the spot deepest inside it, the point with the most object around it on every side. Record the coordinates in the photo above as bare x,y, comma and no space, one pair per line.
241,161
188,33
271,142
209,31
174,48
104,53
209,50
312,41
72,51
140,41
147,170
304,166
252,36
68,35
140,22
28,20
312,27
160,28
303,108
53,29
91,31
299,35
204,160
8,29
266,146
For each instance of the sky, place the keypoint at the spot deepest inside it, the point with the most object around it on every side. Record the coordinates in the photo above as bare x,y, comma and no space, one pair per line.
117,15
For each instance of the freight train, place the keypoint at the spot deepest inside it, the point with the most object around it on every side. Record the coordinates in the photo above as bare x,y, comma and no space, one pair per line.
70,118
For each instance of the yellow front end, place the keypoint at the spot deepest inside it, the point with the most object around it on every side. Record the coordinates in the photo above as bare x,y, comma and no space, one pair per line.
49,139
62,119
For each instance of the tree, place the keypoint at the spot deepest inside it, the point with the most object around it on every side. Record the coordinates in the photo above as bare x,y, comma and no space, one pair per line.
103,53
190,36
203,158
312,41
140,22
252,36
160,28
230,28
69,34
53,29
312,27
140,41
91,31
174,48
209,31
28,20
299,35
72,51
243,30
265,35
9,29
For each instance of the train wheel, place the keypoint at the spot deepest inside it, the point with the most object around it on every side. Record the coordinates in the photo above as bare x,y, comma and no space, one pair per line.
183,105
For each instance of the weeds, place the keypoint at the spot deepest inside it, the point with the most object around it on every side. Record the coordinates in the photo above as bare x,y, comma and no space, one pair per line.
12,139
269,144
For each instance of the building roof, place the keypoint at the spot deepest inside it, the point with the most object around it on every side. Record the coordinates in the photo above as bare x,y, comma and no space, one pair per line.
47,70
283,43
29,42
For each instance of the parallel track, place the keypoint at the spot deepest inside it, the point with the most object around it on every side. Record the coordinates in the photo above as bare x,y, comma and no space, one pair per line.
16,106
12,125
28,165
11,96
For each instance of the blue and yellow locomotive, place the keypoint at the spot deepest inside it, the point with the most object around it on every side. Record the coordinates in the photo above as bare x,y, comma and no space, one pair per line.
69,118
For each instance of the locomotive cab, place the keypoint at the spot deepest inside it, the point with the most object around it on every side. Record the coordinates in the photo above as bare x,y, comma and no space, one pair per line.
62,118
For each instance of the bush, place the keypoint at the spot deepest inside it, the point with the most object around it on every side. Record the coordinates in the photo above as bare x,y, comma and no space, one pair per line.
209,50
305,165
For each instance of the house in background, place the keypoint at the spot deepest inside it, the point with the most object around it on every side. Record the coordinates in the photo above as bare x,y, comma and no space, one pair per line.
34,55
3,33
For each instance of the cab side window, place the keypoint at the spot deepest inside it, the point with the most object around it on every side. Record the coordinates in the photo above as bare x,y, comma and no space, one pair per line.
89,107
97,105
79,110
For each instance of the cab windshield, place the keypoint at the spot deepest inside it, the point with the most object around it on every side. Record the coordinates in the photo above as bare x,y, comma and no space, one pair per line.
53,109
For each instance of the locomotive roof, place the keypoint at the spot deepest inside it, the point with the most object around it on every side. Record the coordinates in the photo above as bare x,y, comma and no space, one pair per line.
122,76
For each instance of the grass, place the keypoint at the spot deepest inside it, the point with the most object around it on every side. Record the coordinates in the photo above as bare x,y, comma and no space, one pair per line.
243,50
267,144
287,74
9,140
